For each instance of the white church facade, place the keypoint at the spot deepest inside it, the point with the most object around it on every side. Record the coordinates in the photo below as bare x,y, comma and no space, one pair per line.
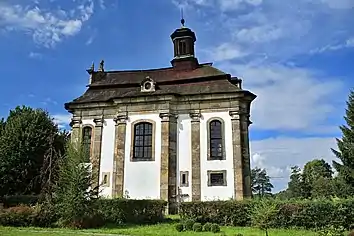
167,133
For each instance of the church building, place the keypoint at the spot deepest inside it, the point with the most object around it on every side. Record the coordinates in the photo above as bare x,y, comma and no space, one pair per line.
178,133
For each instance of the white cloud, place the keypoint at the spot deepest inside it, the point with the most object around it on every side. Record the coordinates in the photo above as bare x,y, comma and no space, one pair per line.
62,120
35,55
225,51
277,155
45,26
339,4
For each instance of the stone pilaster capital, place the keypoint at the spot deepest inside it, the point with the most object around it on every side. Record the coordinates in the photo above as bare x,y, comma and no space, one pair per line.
98,121
168,116
195,116
75,122
238,114
121,119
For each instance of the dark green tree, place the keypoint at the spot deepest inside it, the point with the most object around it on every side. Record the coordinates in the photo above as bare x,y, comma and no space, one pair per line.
261,185
345,152
25,139
316,179
295,183
2,125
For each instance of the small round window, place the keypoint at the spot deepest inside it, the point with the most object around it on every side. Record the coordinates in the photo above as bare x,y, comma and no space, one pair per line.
147,85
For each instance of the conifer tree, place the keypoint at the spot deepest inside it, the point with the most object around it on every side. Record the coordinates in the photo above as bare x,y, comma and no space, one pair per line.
345,152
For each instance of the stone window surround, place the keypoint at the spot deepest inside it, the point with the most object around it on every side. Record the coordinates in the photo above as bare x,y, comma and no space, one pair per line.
132,159
92,136
223,139
224,172
181,173
108,174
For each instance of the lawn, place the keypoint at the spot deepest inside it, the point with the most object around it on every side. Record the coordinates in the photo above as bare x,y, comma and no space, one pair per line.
153,230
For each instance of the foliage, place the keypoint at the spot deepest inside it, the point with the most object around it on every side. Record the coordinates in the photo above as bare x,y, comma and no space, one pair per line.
197,227
188,224
75,196
261,184
12,201
19,216
345,152
129,211
295,184
264,215
332,231
351,233
179,227
303,214
24,140
215,228
207,227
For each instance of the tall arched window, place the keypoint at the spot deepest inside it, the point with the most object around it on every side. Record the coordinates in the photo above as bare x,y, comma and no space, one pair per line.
142,148
216,140
87,141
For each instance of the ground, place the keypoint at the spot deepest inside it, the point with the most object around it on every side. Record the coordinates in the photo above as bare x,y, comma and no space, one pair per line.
154,230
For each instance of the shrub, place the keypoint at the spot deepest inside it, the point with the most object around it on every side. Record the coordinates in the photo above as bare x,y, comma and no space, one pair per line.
197,227
179,227
19,216
128,211
188,224
331,231
207,227
238,234
215,228
16,200
351,233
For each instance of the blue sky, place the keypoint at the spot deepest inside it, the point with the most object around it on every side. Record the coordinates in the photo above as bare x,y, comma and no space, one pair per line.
297,56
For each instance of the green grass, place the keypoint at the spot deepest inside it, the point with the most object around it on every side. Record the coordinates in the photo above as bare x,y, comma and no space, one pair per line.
153,230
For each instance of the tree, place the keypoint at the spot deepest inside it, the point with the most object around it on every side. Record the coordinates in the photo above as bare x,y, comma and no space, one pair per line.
345,152
295,183
316,179
75,198
25,139
261,184
264,214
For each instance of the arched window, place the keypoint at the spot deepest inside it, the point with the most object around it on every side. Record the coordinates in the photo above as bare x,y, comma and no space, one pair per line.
216,140
142,148
87,141
182,48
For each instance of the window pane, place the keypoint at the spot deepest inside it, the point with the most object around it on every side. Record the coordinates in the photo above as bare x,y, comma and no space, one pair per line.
217,179
143,140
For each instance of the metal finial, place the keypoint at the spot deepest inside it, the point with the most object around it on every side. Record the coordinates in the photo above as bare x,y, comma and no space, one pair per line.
182,18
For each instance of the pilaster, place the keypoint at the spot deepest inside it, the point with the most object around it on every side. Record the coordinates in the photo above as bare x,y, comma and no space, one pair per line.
96,153
119,155
75,129
241,157
195,144
168,170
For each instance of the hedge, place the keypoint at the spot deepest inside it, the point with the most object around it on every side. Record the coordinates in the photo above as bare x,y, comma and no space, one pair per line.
16,200
128,211
113,211
302,214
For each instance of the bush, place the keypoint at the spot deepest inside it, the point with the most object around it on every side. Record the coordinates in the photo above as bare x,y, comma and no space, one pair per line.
215,228
331,231
351,233
20,216
179,227
188,224
197,227
128,211
302,214
16,200
207,227
238,234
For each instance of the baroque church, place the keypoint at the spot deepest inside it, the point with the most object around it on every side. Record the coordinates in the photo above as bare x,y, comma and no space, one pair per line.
178,133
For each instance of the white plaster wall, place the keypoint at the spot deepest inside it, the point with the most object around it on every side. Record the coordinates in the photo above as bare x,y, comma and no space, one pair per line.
107,155
216,192
184,161
142,179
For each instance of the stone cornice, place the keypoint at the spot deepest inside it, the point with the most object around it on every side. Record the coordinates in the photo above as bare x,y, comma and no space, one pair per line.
75,122
168,116
98,121
195,116
120,119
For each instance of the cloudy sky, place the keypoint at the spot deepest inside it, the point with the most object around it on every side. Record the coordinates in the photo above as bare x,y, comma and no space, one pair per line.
297,56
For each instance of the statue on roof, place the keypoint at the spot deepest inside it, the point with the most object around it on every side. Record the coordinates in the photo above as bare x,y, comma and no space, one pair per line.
91,69
101,68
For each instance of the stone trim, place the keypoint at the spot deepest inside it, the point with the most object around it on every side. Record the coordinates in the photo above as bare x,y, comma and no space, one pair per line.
108,176
237,143
181,173
96,153
210,172
195,144
132,159
119,155
223,139
75,132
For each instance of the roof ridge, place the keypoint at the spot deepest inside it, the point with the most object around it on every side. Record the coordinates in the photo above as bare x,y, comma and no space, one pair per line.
153,69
